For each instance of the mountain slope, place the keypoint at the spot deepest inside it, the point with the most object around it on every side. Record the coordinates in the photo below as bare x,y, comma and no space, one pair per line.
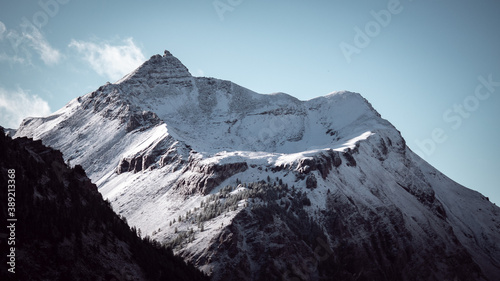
65,231
262,187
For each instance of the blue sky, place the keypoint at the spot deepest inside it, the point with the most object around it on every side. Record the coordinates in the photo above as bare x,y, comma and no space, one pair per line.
432,68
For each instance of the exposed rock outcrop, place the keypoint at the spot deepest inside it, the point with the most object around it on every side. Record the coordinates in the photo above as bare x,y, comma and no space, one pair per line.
203,178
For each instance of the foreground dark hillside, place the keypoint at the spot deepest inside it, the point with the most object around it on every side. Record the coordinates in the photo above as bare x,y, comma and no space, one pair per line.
65,230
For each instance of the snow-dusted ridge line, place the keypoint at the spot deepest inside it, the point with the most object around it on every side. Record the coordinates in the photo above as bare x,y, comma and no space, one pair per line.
160,144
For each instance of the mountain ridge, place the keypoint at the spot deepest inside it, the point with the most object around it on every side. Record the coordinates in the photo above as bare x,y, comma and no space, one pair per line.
225,171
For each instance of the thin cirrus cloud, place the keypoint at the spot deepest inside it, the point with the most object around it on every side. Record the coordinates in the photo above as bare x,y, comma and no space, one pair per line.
18,104
2,30
22,45
11,59
49,55
112,61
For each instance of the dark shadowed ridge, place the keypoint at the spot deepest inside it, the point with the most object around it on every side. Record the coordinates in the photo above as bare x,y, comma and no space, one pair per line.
66,231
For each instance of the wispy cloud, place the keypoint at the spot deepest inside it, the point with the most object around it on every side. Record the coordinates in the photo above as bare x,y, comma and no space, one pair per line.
19,46
11,59
18,104
2,30
49,55
113,61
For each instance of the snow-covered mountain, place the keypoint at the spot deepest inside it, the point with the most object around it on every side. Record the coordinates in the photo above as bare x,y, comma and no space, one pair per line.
267,187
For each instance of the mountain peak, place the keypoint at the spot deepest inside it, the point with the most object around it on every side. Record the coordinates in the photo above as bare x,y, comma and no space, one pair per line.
277,179
158,67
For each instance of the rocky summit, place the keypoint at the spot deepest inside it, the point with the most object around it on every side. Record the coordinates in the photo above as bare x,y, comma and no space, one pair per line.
250,186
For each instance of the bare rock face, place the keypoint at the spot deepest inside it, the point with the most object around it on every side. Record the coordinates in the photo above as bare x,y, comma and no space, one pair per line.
205,177
164,152
311,182
322,162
